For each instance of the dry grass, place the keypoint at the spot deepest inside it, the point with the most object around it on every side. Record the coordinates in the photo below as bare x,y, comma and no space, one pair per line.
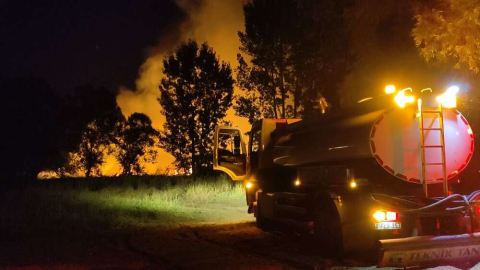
113,203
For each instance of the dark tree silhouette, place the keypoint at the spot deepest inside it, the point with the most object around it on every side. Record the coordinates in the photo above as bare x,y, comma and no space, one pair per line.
92,120
86,105
267,40
320,53
92,149
255,100
298,53
135,143
195,95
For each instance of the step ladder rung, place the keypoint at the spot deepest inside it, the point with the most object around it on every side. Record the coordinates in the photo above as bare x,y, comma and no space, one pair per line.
435,113
434,163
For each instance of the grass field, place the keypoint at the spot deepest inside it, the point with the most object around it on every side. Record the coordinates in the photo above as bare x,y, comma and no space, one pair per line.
121,203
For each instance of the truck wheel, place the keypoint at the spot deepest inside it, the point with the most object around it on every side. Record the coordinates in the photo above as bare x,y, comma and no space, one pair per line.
327,231
262,223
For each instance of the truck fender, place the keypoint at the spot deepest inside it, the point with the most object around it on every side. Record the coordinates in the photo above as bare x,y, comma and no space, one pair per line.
324,199
351,239
327,225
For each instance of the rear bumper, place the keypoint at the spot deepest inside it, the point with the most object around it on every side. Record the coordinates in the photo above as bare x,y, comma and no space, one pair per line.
421,250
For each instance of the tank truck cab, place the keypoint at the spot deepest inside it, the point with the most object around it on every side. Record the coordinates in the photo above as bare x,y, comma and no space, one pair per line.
242,162
281,193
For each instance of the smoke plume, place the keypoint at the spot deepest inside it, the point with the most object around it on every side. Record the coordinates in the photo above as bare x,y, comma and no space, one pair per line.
212,21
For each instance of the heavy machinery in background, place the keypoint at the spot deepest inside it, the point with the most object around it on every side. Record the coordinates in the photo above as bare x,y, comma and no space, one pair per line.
376,175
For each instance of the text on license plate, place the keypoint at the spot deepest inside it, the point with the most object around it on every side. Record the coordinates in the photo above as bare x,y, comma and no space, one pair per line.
388,225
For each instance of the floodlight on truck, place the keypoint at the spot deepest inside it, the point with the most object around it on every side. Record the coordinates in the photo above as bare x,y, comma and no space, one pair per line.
402,100
449,98
390,89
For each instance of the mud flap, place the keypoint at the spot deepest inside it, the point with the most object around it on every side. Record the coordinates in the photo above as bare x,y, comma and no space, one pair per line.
420,250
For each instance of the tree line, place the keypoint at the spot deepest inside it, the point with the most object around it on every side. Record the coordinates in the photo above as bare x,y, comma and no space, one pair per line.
298,59
69,134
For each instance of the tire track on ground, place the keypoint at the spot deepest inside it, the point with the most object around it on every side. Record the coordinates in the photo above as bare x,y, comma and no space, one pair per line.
154,259
248,250
174,249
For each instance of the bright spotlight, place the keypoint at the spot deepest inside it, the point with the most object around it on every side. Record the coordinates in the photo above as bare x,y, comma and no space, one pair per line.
353,184
390,89
402,100
453,89
449,98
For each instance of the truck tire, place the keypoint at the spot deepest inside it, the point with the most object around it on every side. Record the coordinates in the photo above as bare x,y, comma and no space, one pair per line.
327,231
262,222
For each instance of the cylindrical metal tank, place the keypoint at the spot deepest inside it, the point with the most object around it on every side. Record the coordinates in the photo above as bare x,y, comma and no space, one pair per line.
378,129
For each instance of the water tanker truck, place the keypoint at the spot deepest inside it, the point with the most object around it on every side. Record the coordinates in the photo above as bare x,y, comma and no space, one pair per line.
376,175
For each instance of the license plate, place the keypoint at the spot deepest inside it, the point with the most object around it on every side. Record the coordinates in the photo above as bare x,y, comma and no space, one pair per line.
388,226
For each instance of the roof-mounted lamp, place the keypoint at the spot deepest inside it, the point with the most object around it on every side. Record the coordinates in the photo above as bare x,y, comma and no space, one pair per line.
449,98
402,100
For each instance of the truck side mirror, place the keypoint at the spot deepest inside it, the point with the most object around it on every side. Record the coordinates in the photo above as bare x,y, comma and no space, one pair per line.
230,155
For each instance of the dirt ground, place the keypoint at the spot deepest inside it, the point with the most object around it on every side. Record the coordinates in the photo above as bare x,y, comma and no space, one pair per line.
227,246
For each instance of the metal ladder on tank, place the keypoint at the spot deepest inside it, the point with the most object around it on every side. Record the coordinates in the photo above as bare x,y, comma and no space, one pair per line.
439,112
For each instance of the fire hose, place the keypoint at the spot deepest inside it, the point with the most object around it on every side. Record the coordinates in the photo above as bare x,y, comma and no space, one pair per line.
466,200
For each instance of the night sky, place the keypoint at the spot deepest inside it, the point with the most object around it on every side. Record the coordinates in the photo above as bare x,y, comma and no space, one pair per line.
73,43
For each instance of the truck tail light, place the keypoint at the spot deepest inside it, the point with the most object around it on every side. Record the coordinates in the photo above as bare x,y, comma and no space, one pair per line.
385,216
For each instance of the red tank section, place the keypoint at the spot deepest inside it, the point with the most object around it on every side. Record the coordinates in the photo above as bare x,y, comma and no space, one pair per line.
396,145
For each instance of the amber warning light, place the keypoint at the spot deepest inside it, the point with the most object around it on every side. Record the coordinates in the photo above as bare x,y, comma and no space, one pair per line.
402,99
